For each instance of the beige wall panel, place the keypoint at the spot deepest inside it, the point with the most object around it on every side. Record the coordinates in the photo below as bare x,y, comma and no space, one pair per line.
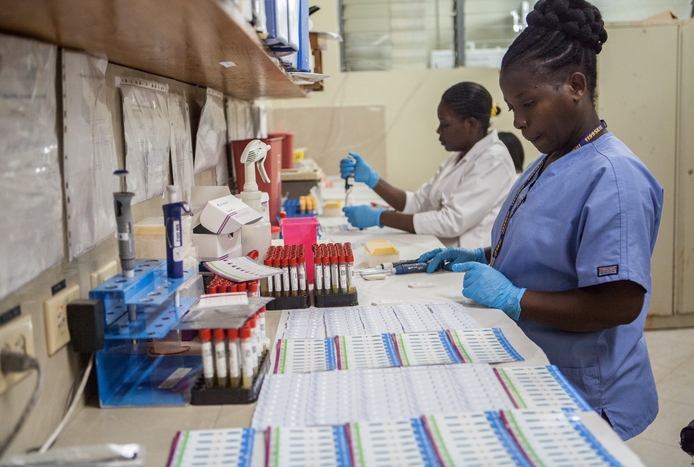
684,271
330,133
637,85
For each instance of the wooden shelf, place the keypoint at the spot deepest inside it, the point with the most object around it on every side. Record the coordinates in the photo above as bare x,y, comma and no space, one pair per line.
181,39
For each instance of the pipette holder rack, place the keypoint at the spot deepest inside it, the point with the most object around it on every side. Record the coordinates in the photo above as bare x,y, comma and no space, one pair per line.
128,373
202,395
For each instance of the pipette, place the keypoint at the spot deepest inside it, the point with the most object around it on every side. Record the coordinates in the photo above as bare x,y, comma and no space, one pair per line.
126,237
349,185
408,268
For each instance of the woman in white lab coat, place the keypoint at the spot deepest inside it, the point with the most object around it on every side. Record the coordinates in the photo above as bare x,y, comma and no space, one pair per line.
461,201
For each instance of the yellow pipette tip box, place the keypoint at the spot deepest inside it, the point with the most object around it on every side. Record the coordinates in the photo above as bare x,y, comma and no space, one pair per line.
381,251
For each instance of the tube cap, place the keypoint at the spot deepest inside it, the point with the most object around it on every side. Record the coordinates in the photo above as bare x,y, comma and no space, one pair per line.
218,334
205,334
245,332
232,333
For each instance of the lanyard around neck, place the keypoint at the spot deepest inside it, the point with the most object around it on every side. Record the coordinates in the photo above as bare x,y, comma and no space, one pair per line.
509,214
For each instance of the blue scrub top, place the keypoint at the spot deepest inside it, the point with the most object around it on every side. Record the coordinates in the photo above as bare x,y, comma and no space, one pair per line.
591,217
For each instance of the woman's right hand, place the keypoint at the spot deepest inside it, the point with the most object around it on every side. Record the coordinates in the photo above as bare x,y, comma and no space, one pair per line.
356,165
451,256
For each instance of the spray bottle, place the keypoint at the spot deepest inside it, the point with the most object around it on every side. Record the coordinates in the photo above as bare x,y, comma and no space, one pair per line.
258,235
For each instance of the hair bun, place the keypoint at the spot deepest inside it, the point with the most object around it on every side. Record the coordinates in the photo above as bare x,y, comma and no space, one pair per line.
576,19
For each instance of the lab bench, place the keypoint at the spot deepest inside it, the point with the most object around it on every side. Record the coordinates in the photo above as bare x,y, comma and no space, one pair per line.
154,428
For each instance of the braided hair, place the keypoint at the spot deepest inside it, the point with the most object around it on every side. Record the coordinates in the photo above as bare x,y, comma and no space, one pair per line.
468,99
561,33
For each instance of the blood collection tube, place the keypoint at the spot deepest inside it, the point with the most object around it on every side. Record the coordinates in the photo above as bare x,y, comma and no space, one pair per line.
285,275
242,287
327,279
263,328
234,288
317,274
334,273
301,268
253,289
294,276
276,263
342,266
267,282
233,354
255,344
220,357
246,357
351,288
205,336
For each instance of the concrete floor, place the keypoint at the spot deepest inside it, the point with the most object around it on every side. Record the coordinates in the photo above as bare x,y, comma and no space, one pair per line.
672,358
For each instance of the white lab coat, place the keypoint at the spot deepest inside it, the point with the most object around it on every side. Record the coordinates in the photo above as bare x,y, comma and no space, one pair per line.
461,201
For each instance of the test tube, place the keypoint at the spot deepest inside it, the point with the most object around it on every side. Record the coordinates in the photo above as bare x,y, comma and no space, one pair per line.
242,287
220,357
317,274
302,205
267,282
253,289
255,343
351,288
285,276
205,336
294,276
263,328
327,279
342,266
334,273
234,367
247,357
301,268
276,263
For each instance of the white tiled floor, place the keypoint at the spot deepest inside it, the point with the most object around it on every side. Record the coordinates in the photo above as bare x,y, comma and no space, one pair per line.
672,359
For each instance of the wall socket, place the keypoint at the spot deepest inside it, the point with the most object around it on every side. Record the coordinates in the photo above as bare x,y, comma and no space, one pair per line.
55,318
18,336
106,271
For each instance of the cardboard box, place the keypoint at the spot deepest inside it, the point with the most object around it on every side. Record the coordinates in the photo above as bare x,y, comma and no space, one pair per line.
214,247
226,215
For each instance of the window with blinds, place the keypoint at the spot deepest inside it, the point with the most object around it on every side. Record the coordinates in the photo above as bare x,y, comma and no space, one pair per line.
418,34
396,34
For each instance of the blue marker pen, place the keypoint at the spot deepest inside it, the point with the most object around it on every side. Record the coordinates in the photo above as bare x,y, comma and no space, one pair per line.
174,233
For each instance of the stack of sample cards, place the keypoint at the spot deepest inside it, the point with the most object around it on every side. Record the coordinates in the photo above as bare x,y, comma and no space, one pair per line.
495,438
299,447
305,355
339,397
227,447
365,320
483,346
392,350
426,348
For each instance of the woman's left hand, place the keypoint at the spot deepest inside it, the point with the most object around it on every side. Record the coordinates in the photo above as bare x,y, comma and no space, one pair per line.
487,286
363,216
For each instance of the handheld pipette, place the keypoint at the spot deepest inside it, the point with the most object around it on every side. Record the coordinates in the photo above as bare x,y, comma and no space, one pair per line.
125,234
349,184
408,268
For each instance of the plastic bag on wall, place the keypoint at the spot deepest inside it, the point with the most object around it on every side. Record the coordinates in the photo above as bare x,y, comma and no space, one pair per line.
30,193
240,120
89,154
181,144
147,136
210,145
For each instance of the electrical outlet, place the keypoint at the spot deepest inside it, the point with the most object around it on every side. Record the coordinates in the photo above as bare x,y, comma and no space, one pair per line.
55,317
106,271
17,336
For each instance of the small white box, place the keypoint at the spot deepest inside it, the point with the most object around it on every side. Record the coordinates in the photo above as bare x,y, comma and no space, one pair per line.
226,215
215,247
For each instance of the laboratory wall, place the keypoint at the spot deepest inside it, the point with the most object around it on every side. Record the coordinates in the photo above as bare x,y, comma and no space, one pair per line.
62,370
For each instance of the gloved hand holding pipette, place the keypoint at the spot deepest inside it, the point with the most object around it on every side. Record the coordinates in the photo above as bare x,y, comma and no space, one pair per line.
355,165
451,256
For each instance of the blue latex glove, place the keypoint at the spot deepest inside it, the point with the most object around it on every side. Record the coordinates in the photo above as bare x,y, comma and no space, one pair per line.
451,256
362,172
489,287
363,216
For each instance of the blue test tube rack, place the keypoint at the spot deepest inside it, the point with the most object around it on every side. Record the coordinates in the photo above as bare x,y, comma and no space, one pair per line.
126,372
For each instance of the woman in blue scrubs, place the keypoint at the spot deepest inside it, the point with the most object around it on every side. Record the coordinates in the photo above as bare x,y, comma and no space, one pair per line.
572,245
